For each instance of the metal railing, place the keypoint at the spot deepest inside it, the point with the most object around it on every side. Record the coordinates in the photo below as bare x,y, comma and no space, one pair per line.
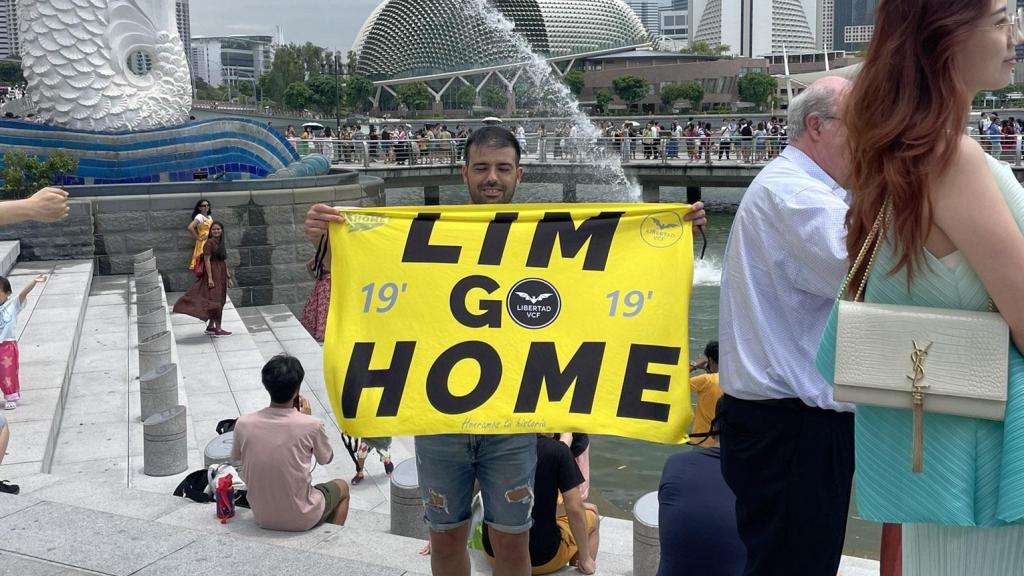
711,150
553,149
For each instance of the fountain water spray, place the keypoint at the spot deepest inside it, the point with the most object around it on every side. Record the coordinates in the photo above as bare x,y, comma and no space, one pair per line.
549,89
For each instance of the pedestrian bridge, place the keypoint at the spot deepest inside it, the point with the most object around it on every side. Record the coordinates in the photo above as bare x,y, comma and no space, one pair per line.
694,166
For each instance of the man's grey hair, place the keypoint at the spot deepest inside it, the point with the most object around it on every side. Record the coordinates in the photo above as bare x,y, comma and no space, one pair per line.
817,99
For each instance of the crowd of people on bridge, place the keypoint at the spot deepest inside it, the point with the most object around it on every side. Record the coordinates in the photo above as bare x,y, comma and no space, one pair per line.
696,140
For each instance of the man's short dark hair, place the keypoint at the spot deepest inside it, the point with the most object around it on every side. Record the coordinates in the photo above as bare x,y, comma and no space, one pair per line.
711,351
493,137
5,285
282,376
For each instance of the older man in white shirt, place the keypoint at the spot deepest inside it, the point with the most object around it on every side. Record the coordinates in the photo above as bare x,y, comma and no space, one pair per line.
787,446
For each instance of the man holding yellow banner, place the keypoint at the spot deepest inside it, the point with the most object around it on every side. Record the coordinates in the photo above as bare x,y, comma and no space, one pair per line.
474,327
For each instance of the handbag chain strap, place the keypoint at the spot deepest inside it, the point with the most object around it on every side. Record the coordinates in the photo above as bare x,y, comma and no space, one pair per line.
872,243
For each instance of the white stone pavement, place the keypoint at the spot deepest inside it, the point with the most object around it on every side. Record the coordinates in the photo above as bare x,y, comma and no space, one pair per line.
97,512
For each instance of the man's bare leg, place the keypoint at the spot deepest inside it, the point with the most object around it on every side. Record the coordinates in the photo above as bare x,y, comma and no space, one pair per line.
511,553
341,512
448,553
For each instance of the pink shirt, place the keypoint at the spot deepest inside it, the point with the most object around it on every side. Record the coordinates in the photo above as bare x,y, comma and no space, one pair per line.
273,448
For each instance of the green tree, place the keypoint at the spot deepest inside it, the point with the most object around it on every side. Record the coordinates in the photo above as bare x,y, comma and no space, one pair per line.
244,87
465,97
691,91
298,96
312,57
206,92
603,97
10,73
24,175
286,70
357,92
415,96
757,88
494,97
353,62
701,48
575,81
326,92
631,89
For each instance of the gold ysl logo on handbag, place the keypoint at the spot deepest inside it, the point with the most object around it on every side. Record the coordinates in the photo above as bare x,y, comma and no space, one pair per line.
917,388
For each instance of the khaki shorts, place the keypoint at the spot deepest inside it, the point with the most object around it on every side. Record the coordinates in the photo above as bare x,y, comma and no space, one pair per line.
567,549
332,498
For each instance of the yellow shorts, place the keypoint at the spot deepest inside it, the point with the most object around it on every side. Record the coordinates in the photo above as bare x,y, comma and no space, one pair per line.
567,549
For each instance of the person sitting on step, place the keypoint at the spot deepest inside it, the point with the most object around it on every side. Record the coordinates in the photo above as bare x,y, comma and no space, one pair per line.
273,448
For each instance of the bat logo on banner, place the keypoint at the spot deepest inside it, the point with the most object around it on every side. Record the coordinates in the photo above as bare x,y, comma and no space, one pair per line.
538,311
531,299
661,226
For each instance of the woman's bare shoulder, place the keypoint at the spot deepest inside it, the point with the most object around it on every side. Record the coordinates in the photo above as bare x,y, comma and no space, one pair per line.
967,170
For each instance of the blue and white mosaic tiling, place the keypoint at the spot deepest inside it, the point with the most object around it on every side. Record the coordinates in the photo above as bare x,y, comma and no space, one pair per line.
231,149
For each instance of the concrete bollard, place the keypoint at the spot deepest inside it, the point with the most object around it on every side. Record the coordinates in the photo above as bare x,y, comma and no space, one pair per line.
154,351
164,443
151,322
646,542
142,256
158,389
147,279
144,266
406,504
218,451
148,298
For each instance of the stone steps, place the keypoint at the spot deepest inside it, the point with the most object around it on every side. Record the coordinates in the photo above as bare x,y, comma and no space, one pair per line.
49,328
111,519
118,531
9,252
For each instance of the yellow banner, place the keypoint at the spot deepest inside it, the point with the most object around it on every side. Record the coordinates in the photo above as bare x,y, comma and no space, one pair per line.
511,319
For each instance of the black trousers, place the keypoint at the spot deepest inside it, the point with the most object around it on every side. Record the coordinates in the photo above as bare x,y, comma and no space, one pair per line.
791,469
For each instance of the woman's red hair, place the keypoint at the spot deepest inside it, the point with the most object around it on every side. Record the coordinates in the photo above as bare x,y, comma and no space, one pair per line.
904,117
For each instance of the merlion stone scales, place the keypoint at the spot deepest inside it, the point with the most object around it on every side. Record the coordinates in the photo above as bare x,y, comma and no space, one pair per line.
105,65
110,83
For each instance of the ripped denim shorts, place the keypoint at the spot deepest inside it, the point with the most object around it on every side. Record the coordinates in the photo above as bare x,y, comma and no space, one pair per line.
449,464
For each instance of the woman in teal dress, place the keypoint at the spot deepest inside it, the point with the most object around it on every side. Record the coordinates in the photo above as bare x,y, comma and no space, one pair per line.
952,240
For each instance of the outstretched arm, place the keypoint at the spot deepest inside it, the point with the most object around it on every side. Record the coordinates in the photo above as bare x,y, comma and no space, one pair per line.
46,205
24,291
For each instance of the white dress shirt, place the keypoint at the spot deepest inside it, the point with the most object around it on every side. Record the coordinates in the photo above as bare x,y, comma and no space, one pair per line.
783,266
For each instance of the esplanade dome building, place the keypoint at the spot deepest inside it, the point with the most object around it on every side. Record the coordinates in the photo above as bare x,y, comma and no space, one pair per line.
406,38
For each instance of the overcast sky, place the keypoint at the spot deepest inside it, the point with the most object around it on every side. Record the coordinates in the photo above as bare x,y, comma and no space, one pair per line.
328,23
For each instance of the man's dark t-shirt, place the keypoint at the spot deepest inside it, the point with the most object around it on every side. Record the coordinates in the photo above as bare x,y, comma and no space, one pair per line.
556,473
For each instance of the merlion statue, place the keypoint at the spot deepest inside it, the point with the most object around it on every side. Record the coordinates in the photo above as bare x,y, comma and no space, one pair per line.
105,65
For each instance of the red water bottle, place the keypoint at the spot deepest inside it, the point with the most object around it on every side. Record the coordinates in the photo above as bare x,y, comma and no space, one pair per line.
225,499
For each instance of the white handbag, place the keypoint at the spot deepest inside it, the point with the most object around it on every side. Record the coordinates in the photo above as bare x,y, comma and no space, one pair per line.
918,358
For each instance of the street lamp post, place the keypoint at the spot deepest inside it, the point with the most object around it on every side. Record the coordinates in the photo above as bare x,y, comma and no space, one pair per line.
337,93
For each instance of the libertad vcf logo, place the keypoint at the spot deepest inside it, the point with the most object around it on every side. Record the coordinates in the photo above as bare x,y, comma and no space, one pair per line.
533,303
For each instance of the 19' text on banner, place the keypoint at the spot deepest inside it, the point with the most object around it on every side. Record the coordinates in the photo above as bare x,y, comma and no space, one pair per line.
511,319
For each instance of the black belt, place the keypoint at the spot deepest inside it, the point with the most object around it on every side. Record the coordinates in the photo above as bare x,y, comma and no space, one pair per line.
790,403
